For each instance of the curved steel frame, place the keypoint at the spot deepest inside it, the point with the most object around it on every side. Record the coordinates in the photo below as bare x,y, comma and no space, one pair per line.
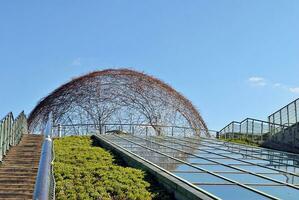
117,96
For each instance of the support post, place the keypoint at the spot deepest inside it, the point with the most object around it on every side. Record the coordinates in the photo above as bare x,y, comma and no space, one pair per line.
146,131
59,130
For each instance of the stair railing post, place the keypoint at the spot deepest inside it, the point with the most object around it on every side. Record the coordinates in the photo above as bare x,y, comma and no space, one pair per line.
1,141
59,130
5,136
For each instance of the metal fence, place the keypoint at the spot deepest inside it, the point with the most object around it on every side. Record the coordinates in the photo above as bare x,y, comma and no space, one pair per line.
288,115
11,131
133,129
251,129
231,130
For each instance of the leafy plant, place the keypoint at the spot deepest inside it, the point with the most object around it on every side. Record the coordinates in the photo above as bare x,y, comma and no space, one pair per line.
83,171
242,141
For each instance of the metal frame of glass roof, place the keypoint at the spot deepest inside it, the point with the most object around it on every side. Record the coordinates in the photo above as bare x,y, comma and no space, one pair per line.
234,165
292,156
213,166
247,154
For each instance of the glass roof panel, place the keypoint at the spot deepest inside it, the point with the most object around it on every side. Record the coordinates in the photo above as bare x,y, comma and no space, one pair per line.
247,178
223,153
232,192
282,192
200,178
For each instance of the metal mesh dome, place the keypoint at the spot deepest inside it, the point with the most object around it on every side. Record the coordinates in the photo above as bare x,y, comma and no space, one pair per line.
120,96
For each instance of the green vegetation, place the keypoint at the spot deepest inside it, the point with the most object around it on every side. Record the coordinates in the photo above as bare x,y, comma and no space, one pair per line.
85,171
241,140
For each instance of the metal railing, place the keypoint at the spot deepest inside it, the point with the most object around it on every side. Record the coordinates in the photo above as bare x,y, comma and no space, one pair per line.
11,131
252,129
288,115
60,130
230,130
45,181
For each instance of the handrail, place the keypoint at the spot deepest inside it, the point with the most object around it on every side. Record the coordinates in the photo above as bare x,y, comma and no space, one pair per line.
266,122
58,128
128,124
294,101
233,122
11,131
256,120
45,183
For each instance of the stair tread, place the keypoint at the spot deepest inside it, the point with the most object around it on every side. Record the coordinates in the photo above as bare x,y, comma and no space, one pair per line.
19,168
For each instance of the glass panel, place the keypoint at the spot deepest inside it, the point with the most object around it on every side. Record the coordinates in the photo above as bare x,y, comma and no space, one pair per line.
287,178
283,192
236,127
232,192
184,167
219,151
172,166
234,155
229,191
256,169
292,113
271,119
247,178
284,116
256,161
217,168
229,161
200,178
277,118
199,161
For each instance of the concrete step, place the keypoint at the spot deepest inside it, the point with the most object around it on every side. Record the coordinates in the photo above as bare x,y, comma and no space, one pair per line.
18,190
18,186
19,168
5,181
22,161
22,154
13,157
24,151
18,173
14,198
13,194
29,149
28,166
15,176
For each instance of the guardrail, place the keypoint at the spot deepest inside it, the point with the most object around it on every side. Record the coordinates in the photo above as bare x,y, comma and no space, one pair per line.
11,131
45,182
252,129
60,130
288,115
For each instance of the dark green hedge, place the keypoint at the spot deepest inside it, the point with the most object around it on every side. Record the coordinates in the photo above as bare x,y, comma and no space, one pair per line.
241,141
84,171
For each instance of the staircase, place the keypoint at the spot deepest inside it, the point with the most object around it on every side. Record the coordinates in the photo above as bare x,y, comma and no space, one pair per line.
19,168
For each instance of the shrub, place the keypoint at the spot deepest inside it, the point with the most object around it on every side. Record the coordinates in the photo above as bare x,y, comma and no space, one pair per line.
242,141
83,171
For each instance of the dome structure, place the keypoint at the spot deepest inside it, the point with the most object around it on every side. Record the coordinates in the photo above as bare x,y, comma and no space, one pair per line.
118,97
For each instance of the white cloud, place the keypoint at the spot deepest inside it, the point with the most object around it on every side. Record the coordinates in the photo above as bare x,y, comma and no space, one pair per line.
294,90
257,81
76,62
261,81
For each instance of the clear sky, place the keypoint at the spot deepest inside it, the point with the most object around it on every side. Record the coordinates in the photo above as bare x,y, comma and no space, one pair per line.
232,59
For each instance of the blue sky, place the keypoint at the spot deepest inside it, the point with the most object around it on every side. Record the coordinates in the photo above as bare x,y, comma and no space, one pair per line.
232,59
